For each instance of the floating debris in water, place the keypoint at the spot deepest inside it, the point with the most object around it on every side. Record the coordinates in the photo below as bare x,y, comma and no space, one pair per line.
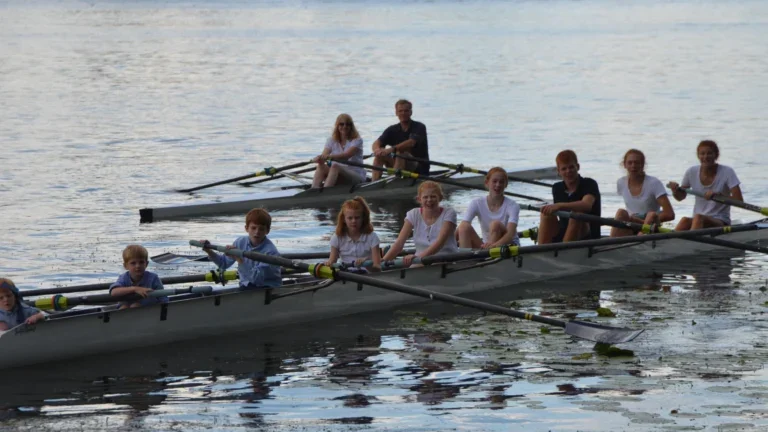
609,350
605,312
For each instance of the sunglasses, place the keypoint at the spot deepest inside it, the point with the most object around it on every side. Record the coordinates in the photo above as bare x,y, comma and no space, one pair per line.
345,124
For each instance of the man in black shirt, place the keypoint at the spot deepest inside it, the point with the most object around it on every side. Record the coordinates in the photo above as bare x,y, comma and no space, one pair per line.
575,193
408,137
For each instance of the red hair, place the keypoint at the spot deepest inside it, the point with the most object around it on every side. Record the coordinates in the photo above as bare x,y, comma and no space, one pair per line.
258,216
355,204
430,184
566,157
496,170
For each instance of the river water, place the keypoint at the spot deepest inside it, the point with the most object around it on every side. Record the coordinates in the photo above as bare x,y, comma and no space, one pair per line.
109,106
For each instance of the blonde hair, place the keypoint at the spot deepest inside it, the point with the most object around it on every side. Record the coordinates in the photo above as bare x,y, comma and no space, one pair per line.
429,184
353,134
135,252
355,204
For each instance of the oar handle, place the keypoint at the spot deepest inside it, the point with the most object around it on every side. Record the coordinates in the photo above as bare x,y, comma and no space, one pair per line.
728,201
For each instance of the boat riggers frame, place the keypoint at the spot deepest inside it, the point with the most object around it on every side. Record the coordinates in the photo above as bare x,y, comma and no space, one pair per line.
412,175
651,229
270,171
585,330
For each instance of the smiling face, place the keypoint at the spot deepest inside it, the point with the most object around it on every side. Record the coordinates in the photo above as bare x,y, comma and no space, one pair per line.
568,171
136,268
256,233
707,156
429,197
7,299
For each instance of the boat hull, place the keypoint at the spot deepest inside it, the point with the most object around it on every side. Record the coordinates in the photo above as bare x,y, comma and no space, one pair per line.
104,332
397,188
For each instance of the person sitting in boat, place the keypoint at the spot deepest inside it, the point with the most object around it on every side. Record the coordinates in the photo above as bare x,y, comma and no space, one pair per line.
497,213
644,196
408,137
574,194
252,274
354,240
433,226
137,280
13,310
345,144
710,178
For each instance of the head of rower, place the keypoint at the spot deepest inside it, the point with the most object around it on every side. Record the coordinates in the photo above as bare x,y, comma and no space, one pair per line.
568,168
634,163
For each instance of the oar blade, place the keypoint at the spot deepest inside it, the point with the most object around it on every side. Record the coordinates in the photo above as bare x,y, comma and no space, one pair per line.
601,333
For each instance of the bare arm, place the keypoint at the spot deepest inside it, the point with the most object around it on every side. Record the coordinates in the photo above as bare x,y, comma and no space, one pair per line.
121,291
3,326
582,206
678,193
323,156
446,231
376,258
736,193
397,246
667,213
508,237
334,256
405,146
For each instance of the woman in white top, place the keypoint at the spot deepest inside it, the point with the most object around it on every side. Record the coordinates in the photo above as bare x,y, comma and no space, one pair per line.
345,144
433,227
498,215
354,239
644,196
710,178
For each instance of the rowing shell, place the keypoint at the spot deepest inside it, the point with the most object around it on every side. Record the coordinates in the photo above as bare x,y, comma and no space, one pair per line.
287,199
231,309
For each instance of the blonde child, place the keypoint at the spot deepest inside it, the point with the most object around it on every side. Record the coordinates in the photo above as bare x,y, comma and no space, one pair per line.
432,226
137,280
497,213
354,239
13,311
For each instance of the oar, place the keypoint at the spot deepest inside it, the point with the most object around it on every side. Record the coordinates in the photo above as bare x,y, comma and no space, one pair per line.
265,171
729,201
590,331
60,302
277,176
211,276
647,229
462,168
413,175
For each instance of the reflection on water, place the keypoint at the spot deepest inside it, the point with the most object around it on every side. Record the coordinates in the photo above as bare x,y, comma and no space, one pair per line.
432,359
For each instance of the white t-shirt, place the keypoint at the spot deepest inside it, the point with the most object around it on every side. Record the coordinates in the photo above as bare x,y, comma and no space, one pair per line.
509,212
357,157
424,235
725,180
351,250
646,201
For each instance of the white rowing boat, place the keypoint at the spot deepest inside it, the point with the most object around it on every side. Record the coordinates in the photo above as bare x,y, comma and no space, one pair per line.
226,310
384,189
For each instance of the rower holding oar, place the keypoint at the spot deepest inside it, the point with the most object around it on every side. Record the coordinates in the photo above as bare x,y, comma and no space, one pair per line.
709,178
344,144
497,213
13,310
576,194
644,196
408,136
354,239
432,226
253,274
137,280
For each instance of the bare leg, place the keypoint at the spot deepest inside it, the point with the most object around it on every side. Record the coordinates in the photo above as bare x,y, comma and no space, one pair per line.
621,215
548,228
467,236
701,221
320,174
684,224
497,231
576,231
380,161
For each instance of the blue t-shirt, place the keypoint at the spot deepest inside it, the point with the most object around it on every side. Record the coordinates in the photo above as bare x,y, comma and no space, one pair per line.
149,280
254,273
11,317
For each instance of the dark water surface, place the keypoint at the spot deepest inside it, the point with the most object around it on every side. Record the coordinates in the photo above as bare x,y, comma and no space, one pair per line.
109,106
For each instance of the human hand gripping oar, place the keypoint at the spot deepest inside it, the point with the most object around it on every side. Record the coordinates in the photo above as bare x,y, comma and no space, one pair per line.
211,276
647,229
729,201
462,168
586,330
413,175
265,171
60,302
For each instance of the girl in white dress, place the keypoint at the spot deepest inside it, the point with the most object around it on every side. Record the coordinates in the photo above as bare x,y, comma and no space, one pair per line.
432,226
497,213
710,178
345,144
354,239
645,199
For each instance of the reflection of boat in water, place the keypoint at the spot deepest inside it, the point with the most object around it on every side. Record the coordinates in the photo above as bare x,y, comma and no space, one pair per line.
233,310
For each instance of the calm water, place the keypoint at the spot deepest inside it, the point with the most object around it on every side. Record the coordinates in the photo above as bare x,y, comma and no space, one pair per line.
108,106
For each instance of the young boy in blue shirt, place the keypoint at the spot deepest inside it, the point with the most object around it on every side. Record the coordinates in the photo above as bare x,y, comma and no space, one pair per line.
253,274
13,311
137,280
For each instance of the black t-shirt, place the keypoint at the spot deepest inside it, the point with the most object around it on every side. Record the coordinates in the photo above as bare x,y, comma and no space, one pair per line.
586,186
395,134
